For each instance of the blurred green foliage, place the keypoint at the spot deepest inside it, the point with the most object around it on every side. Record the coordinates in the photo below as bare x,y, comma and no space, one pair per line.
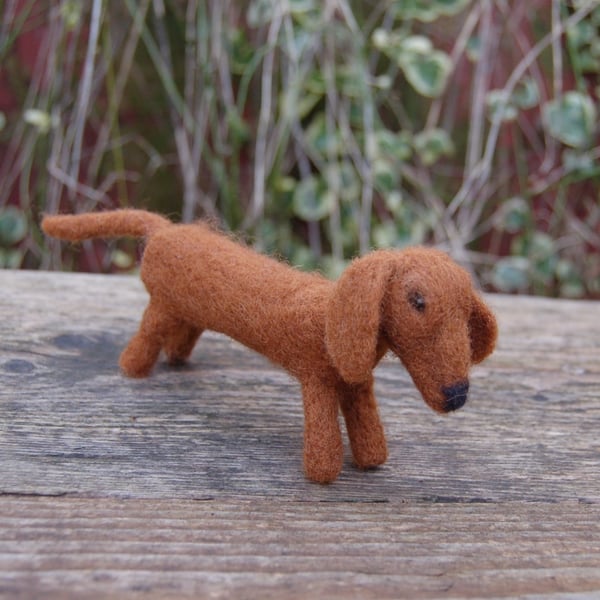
13,229
322,130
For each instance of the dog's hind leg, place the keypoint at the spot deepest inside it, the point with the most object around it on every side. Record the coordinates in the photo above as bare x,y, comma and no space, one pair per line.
323,450
367,438
180,342
143,349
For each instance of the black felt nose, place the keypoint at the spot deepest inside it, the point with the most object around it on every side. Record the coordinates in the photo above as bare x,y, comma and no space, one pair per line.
456,395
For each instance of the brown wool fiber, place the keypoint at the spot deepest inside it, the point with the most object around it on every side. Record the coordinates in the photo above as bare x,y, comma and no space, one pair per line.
329,335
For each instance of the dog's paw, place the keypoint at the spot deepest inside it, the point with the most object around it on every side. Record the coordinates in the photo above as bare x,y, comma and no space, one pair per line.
323,462
321,471
134,365
369,456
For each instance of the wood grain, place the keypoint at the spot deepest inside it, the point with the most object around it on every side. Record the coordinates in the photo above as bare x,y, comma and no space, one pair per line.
266,549
190,482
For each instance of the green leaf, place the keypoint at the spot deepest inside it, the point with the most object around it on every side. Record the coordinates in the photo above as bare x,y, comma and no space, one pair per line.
416,44
451,7
13,226
298,7
333,267
342,178
300,97
284,184
259,12
393,145
40,119
239,129
511,274
305,104
241,51
582,163
571,118
432,144
312,200
319,138
10,258
592,271
71,12
570,280
514,215
394,201
540,250
2,120
526,94
307,13
428,10
382,82
350,80
427,72
380,38
315,83
121,259
473,49
499,105
572,289
303,257
385,235
588,63
425,68
386,175
542,254
408,228
581,33
274,237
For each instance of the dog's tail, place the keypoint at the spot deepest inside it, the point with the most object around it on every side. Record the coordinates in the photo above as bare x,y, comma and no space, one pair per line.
108,224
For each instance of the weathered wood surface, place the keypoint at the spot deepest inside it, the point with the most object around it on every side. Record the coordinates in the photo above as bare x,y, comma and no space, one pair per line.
189,483
81,548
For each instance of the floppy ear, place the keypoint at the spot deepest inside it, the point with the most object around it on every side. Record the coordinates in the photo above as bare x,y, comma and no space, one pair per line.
354,315
483,330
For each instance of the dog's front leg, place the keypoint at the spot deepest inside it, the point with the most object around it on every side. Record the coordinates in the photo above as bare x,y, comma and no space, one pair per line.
367,438
323,449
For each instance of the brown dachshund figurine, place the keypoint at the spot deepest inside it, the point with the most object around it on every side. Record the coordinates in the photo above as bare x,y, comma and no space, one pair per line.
329,335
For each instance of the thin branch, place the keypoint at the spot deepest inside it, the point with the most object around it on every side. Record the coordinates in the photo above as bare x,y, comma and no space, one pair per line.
85,90
264,120
481,81
557,84
75,186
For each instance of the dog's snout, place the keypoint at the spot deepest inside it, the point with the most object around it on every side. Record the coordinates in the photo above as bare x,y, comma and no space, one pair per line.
455,395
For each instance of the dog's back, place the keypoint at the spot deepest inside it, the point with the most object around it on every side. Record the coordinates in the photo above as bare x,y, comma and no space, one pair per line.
210,281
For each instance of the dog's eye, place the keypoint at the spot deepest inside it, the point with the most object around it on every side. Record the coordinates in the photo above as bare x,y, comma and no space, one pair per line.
417,301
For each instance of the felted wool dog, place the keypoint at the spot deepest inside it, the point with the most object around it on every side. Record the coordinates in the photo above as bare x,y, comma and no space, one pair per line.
329,335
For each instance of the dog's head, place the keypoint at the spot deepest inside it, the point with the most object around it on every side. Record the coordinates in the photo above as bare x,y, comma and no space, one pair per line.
421,305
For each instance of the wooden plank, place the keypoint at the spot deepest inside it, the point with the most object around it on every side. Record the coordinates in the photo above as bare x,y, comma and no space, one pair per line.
189,483
230,423
81,548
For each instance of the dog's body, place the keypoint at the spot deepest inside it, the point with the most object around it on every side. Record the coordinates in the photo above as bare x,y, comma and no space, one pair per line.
256,300
329,335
